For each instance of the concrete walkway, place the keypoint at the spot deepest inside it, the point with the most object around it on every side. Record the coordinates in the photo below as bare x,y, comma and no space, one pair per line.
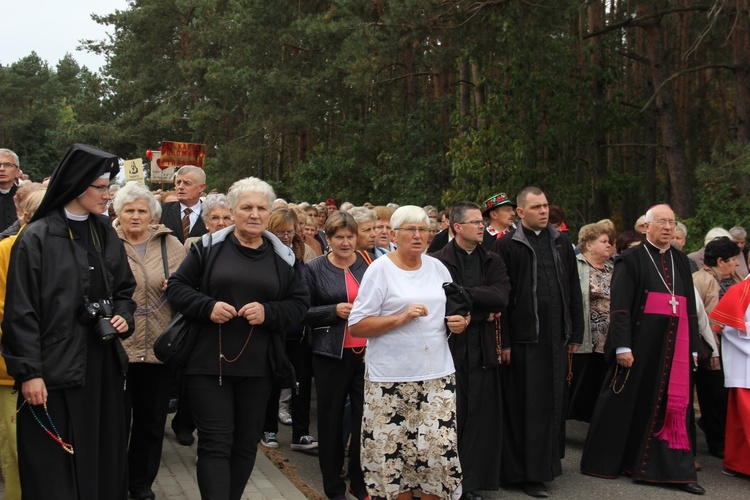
177,477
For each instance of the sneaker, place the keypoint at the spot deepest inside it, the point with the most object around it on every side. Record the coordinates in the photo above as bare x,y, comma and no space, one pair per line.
305,443
285,418
350,495
269,440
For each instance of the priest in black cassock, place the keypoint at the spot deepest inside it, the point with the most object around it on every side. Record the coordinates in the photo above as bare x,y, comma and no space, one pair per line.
542,324
640,422
476,351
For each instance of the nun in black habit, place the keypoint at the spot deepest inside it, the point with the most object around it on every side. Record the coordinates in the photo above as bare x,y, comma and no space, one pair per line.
62,348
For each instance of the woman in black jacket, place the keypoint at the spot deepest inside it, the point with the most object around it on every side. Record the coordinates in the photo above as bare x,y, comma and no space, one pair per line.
242,296
69,296
338,359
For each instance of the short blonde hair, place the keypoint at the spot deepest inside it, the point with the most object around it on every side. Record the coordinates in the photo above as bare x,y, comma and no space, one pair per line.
591,232
409,214
249,185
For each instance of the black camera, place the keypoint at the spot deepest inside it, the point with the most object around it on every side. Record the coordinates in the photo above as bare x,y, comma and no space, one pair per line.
100,313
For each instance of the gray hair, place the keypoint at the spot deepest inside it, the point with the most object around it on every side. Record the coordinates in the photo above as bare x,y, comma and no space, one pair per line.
346,206
363,214
216,200
133,191
716,232
409,214
281,202
8,152
392,206
246,186
738,233
200,174
681,227
649,217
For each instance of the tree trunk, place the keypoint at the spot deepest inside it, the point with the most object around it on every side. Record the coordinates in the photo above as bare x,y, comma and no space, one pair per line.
741,45
666,112
464,92
598,157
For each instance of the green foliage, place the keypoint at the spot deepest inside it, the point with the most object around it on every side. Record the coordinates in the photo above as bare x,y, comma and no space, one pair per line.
723,199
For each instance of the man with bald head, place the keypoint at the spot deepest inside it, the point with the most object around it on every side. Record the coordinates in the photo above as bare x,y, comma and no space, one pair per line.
640,423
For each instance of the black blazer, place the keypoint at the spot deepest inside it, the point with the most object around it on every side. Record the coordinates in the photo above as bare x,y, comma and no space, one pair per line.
171,216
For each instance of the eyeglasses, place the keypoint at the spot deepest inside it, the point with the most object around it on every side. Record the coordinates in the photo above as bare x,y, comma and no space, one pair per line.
7,164
664,223
412,230
217,218
102,189
477,223
284,234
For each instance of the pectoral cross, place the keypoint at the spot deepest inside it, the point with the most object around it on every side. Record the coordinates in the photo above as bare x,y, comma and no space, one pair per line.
674,305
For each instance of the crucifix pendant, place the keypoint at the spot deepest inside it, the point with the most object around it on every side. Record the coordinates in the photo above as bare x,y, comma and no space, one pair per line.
673,302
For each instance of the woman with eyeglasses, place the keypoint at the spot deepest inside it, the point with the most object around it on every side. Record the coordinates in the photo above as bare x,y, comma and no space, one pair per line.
216,215
68,300
283,224
410,385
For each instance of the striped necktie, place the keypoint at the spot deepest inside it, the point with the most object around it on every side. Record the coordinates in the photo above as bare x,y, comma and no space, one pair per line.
186,224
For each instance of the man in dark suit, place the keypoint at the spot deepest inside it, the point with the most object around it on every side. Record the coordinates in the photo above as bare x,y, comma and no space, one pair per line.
183,216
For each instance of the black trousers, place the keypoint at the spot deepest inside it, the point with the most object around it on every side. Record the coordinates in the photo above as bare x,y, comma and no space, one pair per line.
146,402
334,381
183,419
712,399
229,419
300,355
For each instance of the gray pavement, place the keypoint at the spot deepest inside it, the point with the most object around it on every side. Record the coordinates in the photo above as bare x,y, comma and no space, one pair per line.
572,484
177,479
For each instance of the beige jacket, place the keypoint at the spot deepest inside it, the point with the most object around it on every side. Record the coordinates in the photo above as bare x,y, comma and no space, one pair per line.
153,312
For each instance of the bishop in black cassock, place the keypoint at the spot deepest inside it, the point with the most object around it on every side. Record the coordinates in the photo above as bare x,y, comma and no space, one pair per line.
640,422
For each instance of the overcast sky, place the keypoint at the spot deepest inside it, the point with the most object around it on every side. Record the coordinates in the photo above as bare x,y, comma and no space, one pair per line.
52,28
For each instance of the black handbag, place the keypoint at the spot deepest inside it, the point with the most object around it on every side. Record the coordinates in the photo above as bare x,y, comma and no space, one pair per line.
458,300
176,341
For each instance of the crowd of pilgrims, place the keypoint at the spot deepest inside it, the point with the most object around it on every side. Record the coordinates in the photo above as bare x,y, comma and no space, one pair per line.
447,348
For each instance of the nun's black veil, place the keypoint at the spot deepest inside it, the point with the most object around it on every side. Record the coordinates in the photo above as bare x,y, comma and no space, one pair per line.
81,166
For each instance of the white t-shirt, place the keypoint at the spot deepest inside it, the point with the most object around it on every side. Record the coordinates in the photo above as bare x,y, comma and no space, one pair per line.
419,349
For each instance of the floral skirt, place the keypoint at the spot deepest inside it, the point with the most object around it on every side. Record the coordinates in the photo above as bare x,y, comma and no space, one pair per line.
409,439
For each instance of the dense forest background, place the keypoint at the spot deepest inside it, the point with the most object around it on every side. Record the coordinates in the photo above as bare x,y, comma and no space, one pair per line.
609,106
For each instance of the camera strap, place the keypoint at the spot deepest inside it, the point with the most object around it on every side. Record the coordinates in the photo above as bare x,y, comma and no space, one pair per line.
85,284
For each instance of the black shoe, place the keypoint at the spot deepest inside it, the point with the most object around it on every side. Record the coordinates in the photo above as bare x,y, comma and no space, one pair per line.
694,488
144,495
535,490
172,408
470,495
185,438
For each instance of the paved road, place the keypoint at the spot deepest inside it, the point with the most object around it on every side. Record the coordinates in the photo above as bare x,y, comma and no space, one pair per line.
572,484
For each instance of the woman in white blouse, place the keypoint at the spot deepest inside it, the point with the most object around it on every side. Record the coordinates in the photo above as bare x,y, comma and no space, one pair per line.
410,404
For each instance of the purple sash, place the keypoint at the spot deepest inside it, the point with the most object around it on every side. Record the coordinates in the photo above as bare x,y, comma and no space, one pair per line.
674,431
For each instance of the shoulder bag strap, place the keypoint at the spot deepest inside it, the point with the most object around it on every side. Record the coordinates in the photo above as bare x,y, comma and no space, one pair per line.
164,256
